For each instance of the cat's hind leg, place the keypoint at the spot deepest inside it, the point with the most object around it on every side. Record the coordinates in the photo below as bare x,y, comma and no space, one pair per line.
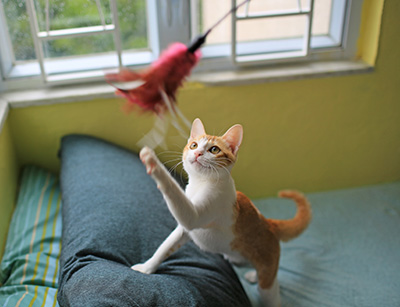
172,243
270,296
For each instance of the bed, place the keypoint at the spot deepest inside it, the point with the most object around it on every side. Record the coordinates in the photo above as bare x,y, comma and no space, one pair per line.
349,256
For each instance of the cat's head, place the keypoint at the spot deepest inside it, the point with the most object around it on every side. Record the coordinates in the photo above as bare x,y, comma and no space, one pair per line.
208,155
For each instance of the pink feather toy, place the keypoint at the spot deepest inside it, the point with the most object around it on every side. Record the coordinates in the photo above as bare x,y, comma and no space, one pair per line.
159,84
166,74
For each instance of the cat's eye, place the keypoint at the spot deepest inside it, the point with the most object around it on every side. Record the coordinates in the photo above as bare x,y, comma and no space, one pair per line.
193,145
214,150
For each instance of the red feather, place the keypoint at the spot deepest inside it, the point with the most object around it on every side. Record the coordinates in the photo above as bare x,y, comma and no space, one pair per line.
167,74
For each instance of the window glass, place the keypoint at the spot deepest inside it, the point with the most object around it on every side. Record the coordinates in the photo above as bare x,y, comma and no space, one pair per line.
64,14
210,11
270,28
67,14
268,38
270,6
85,45
19,29
321,17
133,24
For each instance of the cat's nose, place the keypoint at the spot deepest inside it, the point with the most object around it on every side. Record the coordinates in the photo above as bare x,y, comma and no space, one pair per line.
198,154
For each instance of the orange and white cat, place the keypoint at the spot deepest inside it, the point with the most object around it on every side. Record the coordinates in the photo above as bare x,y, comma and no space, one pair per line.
216,217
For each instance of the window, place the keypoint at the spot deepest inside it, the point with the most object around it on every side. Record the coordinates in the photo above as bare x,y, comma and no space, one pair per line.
61,40
265,31
69,41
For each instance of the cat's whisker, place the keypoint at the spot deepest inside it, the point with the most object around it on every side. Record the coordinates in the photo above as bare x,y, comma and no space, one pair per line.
172,160
172,156
223,167
181,172
217,173
169,153
173,168
181,175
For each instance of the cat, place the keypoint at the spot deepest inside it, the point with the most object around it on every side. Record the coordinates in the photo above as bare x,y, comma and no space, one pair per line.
218,218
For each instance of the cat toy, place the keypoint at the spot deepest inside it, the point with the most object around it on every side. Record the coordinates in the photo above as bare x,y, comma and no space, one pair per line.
155,89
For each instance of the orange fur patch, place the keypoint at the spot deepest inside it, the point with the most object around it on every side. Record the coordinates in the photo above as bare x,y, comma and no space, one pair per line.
256,240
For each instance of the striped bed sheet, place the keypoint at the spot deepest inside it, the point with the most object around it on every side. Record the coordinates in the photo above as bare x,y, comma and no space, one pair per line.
29,268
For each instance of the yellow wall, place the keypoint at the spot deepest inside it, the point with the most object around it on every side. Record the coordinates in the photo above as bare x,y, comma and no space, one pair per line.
371,26
312,134
8,182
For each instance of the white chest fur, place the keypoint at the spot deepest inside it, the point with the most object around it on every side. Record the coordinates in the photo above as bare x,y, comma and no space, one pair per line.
216,200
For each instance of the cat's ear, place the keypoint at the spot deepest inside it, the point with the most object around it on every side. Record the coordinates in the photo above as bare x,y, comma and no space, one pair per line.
197,129
234,137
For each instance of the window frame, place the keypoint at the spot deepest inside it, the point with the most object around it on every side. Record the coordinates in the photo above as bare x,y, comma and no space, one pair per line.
343,47
215,58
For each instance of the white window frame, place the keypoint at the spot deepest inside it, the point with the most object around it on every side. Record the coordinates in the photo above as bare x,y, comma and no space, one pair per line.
264,55
339,44
39,37
170,21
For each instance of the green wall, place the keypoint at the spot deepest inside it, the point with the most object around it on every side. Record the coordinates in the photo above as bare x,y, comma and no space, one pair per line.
311,134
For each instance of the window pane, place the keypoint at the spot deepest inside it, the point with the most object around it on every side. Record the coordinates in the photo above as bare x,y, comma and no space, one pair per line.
78,46
19,29
321,17
210,11
64,14
67,14
268,38
271,28
270,6
132,17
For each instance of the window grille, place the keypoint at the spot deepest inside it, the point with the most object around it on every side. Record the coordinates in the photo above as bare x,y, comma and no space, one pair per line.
40,36
309,38
165,21
267,53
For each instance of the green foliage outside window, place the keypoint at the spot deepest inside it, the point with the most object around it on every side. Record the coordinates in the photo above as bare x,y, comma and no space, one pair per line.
65,14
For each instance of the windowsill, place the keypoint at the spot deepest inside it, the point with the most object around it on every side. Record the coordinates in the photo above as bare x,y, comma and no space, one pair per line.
282,72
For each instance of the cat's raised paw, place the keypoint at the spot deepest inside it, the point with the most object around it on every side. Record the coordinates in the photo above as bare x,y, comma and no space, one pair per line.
149,159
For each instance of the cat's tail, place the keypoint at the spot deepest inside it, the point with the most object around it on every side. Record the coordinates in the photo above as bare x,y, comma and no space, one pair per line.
290,229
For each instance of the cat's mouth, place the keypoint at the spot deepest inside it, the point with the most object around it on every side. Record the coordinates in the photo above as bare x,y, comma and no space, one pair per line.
199,163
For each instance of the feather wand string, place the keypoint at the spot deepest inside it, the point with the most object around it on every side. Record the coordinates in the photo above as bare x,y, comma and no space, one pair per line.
156,136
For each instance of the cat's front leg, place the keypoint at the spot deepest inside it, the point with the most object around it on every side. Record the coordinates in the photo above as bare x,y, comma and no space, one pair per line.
178,204
175,240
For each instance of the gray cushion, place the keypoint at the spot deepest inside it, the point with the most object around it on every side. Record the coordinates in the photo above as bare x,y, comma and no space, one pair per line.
114,217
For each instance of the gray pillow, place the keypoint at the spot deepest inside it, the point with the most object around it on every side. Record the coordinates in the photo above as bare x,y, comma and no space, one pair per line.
113,217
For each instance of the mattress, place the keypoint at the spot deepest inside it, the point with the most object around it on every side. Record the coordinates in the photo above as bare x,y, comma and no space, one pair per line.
349,256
